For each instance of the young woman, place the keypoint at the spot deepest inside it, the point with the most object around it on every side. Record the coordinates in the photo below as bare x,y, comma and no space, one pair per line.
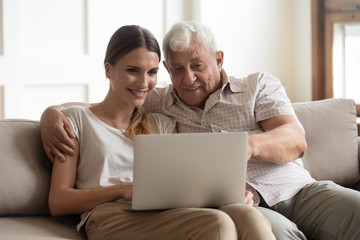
96,181
101,169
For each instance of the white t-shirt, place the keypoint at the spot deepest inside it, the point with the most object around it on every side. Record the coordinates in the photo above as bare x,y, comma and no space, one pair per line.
106,154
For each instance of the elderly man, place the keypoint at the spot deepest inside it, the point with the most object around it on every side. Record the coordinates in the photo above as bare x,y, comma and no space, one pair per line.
202,98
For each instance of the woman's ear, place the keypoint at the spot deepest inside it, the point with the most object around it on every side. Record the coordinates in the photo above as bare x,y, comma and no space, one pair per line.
107,66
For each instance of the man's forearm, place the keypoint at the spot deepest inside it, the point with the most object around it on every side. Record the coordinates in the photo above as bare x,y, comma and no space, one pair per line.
280,145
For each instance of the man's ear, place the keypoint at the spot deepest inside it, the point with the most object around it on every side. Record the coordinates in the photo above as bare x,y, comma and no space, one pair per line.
166,66
219,59
107,66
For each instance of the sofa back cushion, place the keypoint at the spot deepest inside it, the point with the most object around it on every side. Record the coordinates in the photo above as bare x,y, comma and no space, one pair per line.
24,179
331,135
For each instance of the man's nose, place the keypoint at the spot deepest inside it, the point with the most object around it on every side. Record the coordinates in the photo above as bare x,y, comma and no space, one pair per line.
189,77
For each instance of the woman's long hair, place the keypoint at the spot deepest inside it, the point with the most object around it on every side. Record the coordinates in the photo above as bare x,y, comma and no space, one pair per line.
123,41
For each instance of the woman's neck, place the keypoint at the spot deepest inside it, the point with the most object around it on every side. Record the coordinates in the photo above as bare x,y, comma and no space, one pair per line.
113,114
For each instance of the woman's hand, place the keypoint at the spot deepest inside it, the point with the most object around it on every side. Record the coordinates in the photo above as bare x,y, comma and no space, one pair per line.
126,190
249,198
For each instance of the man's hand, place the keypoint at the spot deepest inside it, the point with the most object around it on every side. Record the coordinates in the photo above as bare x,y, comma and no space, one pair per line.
56,132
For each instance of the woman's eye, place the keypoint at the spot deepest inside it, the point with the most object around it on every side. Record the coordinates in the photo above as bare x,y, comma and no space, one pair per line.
131,70
153,72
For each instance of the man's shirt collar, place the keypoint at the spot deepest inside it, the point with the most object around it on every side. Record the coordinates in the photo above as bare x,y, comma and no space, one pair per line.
234,84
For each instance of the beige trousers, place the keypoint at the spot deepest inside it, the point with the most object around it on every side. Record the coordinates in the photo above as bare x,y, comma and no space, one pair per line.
236,221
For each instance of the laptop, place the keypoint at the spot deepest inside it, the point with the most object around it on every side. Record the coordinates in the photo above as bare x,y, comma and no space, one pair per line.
189,170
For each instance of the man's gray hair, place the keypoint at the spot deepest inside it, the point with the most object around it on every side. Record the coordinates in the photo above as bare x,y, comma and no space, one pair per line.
178,38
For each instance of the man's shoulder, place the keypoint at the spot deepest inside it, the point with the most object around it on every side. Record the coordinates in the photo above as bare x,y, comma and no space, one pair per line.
161,91
253,79
240,84
156,98
252,76
159,119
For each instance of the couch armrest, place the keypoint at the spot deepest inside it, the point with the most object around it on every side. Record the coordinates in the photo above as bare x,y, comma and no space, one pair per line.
24,178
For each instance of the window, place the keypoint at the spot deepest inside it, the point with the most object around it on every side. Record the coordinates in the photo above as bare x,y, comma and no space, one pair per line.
51,51
346,61
336,49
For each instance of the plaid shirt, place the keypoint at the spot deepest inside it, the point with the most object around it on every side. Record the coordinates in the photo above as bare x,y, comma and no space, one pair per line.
237,106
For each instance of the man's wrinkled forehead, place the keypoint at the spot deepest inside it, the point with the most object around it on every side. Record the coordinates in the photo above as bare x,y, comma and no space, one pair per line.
193,53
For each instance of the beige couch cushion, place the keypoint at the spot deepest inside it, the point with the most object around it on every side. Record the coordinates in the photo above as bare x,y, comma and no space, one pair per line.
38,227
24,179
331,135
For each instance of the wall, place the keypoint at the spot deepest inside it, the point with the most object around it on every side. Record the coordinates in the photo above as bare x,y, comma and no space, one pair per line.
302,78
52,51
265,36
47,58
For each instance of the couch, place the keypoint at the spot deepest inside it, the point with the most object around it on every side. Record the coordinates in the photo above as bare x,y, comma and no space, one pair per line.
333,154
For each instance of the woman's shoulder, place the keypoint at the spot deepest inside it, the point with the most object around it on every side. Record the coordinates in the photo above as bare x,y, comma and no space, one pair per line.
76,110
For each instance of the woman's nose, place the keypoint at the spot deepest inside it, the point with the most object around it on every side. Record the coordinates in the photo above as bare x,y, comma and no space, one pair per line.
143,81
